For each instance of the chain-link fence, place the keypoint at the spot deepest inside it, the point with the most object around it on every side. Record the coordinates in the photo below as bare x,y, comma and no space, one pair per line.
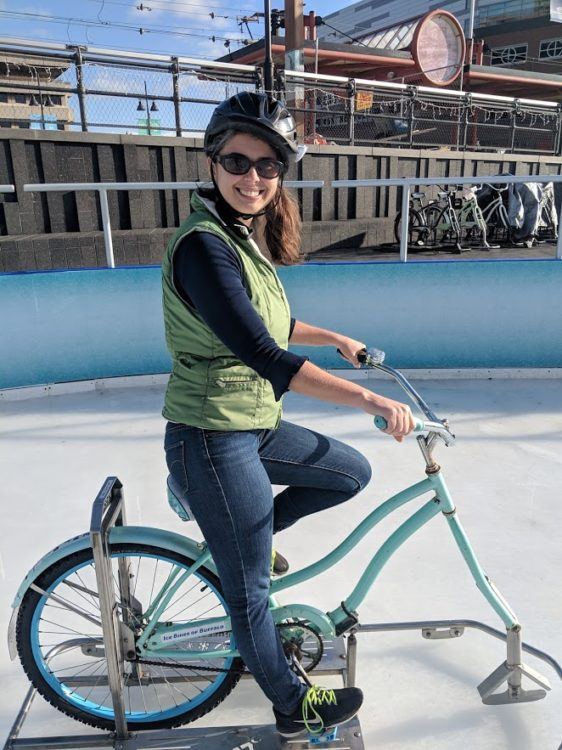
73,89
93,92
355,114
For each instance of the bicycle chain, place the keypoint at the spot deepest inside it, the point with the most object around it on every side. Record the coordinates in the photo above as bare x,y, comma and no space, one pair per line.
176,665
192,666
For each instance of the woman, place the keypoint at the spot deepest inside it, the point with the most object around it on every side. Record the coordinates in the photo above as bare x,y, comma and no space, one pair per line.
228,327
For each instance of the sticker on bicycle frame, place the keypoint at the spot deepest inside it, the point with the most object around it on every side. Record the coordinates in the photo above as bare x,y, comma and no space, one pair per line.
200,631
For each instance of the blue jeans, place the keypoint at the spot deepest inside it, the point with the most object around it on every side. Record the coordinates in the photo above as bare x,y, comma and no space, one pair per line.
227,477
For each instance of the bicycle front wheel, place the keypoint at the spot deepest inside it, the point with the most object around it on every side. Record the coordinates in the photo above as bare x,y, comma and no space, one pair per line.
60,644
441,228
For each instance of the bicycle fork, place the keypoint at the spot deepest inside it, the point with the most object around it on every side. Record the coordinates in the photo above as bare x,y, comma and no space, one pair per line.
512,670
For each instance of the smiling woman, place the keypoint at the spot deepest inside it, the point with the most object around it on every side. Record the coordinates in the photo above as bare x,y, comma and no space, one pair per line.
228,326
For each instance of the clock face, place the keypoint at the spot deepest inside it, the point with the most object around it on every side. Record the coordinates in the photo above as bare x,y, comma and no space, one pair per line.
438,48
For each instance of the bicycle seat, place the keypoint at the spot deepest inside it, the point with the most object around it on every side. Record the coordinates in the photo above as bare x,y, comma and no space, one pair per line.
444,193
177,500
418,195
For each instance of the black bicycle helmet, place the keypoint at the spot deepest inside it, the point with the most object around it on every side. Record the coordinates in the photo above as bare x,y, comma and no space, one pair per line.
257,114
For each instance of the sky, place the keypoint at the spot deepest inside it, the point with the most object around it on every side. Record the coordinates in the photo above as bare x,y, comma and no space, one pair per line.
172,27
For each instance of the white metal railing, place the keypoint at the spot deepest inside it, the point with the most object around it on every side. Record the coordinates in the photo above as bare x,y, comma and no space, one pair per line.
408,182
405,182
103,187
7,189
453,94
89,53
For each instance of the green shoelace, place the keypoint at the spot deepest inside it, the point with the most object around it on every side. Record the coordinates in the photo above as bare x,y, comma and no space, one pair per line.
316,696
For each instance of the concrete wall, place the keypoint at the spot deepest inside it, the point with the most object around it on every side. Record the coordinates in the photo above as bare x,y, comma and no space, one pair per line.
63,230
80,325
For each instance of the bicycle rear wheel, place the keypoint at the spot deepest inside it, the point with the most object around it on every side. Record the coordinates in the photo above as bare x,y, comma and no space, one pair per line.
74,680
417,229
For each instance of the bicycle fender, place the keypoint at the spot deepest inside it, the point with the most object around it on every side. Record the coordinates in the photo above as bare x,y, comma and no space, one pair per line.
305,612
183,545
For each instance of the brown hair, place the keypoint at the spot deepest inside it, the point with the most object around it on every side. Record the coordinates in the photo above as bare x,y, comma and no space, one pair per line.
283,229
282,219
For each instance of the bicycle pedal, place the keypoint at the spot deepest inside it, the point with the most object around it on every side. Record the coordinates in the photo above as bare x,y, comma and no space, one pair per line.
329,736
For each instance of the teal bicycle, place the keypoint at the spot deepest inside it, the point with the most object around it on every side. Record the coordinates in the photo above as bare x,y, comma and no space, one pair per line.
127,627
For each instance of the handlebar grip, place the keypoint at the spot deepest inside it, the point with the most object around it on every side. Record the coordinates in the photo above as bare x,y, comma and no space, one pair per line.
382,424
361,355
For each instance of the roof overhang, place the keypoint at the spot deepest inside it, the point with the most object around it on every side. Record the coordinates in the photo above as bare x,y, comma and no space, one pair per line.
354,61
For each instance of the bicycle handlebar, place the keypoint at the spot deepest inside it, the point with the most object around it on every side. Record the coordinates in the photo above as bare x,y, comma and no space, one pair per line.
374,358
437,428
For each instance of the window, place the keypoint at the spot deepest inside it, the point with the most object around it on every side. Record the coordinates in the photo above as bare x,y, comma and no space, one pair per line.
495,13
550,48
20,98
513,55
3,98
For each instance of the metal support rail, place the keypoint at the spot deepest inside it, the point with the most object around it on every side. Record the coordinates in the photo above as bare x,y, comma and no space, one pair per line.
103,187
7,189
408,182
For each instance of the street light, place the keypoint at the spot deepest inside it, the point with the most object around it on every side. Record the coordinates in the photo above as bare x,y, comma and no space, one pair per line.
33,99
141,108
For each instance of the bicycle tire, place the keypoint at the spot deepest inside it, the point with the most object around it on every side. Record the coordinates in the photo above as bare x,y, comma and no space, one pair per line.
443,237
72,579
417,230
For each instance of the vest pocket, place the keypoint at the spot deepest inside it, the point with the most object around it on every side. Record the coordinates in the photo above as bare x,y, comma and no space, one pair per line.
237,382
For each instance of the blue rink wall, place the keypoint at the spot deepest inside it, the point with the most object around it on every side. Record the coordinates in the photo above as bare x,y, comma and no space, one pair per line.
81,325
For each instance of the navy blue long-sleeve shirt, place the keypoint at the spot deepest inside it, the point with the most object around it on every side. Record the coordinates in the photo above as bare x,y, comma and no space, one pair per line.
209,277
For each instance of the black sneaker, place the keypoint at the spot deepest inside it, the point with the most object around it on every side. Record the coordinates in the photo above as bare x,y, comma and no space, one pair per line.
279,564
319,711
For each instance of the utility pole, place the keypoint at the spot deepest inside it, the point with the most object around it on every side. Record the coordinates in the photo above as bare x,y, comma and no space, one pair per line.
470,39
268,59
294,58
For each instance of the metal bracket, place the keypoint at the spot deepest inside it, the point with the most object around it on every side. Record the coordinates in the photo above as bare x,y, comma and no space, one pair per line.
514,693
511,671
435,634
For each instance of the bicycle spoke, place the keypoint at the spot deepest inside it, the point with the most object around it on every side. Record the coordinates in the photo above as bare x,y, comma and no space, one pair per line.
64,627
74,587
84,664
175,601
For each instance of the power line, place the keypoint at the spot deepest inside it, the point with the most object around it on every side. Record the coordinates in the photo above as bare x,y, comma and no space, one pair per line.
353,39
190,12
118,47
168,5
21,15
143,7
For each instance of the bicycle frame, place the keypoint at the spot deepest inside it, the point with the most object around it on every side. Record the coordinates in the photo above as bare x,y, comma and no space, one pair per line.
157,636
496,207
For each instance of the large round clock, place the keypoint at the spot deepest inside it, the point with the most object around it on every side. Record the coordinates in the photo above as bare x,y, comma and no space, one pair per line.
438,47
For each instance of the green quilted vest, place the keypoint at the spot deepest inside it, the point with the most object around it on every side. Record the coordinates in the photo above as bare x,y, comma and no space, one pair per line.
209,387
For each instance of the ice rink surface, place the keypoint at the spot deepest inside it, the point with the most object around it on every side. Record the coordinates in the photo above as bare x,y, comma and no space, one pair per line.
504,474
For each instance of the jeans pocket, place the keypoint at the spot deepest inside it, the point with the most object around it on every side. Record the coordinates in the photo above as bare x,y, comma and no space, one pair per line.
175,460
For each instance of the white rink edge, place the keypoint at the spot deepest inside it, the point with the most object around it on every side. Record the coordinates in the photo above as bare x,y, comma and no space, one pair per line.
139,381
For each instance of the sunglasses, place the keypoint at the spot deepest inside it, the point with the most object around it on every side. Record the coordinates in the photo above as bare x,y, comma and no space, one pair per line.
240,164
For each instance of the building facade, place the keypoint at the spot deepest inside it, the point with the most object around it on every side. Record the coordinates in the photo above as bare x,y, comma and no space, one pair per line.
31,96
516,33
